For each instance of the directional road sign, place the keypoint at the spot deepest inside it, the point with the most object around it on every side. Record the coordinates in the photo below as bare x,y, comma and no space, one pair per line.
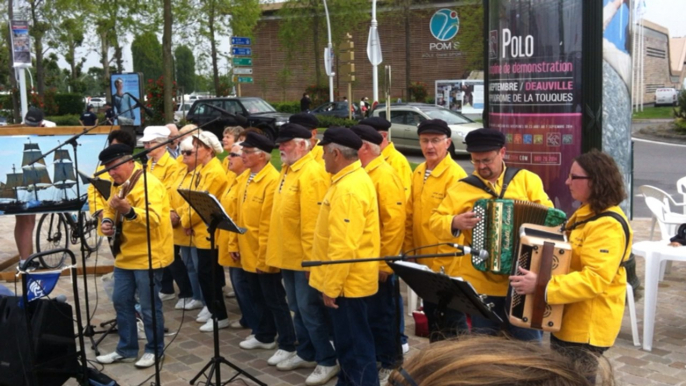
242,70
242,61
241,51
239,41
245,79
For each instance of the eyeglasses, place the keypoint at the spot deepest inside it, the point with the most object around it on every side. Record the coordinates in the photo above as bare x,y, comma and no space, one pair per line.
433,141
234,155
250,151
187,152
485,161
575,177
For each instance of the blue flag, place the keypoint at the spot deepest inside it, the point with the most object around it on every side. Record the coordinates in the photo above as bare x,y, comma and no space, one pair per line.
40,284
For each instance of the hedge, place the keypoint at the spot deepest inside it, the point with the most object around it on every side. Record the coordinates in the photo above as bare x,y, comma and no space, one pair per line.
69,104
287,107
328,120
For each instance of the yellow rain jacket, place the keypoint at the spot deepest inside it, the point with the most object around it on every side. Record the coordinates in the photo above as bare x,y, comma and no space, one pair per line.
461,197
400,164
183,180
224,238
166,170
299,193
594,289
347,228
318,153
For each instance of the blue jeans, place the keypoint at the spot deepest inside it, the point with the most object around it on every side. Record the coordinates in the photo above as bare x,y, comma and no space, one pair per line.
309,319
354,343
189,255
177,272
126,283
244,298
271,309
382,321
451,324
488,327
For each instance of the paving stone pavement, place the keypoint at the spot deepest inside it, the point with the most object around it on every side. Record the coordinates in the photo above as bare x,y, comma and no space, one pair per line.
189,349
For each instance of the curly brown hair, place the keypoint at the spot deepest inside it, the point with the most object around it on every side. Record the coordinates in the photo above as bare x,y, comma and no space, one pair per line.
605,180
489,361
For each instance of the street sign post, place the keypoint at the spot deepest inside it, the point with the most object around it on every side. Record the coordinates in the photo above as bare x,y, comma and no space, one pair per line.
242,61
240,41
241,51
242,70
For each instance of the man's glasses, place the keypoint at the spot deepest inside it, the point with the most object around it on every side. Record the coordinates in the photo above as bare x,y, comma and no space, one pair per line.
234,155
433,141
485,162
575,177
187,152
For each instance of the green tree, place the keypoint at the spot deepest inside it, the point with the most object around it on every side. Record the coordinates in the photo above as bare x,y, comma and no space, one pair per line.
68,36
470,37
185,68
168,61
146,53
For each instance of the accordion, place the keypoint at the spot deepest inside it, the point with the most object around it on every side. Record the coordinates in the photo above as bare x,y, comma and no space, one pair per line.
498,231
545,252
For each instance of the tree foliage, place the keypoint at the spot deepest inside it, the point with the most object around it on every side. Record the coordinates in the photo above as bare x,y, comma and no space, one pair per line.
146,53
470,37
185,69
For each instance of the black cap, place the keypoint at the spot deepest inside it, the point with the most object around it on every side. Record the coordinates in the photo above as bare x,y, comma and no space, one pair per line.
34,117
377,123
290,131
259,141
367,133
485,139
114,152
434,126
341,136
307,120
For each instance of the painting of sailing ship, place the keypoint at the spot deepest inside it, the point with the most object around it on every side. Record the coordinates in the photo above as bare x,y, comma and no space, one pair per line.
38,183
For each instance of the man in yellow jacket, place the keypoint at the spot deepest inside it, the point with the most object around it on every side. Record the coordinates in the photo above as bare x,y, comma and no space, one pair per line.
431,182
454,217
390,154
166,169
254,209
131,274
302,186
311,123
348,228
391,201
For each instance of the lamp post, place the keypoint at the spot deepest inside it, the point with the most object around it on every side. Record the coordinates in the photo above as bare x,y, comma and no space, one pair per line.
374,53
328,54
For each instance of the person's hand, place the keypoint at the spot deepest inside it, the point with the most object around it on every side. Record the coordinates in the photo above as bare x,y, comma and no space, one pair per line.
175,219
188,231
107,228
674,244
329,302
465,221
525,283
121,205
236,256
383,276
307,275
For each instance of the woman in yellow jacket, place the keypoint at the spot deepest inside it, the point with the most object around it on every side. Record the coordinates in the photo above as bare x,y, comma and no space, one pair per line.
209,176
594,289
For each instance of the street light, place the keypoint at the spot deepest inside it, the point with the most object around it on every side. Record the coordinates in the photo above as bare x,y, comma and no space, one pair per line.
328,54
374,53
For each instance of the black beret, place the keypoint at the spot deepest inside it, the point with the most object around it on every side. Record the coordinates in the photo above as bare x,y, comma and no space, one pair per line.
377,123
307,120
259,141
114,152
434,126
34,117
289,131
485,139
367,133
341,136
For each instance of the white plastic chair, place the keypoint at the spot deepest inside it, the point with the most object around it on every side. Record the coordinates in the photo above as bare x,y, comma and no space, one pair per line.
681,188
664,211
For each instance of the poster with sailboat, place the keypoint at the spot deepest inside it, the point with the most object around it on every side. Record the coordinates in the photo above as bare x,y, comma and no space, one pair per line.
36,184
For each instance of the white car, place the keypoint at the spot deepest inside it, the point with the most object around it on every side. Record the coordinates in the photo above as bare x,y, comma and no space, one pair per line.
182,111
97,102
405,117
666,96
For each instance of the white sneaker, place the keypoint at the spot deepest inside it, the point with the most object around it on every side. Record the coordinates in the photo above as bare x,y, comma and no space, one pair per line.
252,343
147,360
321,375
204,315
406,348
209,326
140,327
280,356
113,357
295,362
383,376
193,304
230,294
237,325
165,297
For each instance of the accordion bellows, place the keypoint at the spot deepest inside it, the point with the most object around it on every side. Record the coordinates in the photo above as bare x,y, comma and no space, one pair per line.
498,230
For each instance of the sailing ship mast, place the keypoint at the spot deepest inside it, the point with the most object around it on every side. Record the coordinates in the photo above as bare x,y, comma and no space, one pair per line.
14,182
35,173
63,177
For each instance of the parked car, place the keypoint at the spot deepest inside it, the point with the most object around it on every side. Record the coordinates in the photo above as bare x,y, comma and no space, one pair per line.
337,109
406,116
181,111
246,112
666,96
97,102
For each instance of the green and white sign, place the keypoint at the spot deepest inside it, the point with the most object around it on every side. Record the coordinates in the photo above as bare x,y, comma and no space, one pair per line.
242,61
245,79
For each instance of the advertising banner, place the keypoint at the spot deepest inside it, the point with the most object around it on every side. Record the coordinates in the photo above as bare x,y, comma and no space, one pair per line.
534,87
464,96
123,86
21,43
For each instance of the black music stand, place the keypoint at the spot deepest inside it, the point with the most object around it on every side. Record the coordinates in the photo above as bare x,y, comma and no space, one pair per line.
443,290
214,216
102,186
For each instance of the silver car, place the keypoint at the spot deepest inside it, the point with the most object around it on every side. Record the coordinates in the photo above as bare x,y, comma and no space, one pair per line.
406,116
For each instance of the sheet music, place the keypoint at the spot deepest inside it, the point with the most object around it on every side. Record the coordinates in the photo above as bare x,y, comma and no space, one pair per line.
204,204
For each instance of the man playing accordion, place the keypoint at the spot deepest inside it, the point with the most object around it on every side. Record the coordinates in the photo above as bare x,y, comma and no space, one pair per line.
455,216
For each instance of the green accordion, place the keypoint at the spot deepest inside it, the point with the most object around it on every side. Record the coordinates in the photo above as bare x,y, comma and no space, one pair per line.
498,231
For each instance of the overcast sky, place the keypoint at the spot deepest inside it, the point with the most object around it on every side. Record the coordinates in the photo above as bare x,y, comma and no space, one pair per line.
668,13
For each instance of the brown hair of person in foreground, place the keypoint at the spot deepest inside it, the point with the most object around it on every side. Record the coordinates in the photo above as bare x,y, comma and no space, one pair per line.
485,360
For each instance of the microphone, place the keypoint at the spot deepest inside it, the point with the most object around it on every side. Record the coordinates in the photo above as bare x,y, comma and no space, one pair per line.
480,253
147,109
241,120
